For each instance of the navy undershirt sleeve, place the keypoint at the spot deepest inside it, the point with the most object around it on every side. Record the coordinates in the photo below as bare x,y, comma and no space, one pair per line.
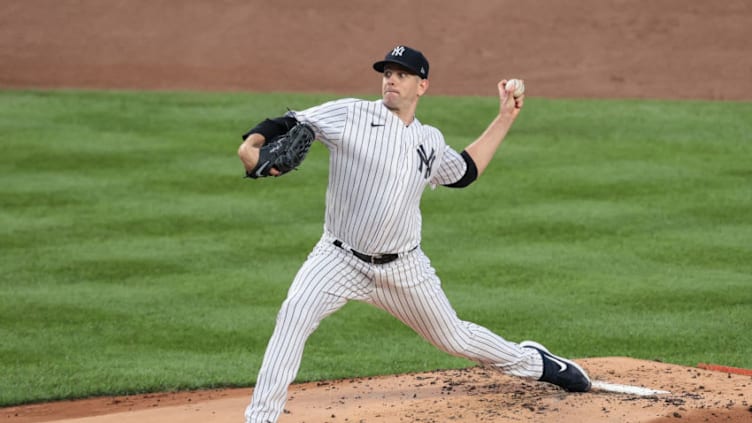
471,173
272,128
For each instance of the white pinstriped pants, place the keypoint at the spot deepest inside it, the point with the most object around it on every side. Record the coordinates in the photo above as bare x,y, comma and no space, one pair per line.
408,288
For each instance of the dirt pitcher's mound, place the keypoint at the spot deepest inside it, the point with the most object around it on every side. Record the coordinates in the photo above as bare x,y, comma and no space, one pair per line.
469,395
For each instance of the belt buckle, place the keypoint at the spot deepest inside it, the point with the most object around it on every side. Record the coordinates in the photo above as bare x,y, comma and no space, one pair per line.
375,259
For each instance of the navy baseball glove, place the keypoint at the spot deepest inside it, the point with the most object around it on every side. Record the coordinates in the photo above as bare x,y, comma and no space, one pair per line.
283,153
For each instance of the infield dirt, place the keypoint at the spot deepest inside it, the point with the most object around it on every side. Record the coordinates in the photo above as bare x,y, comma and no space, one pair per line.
665,49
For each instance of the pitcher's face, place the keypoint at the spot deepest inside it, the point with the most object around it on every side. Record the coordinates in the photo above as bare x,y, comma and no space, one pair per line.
401,89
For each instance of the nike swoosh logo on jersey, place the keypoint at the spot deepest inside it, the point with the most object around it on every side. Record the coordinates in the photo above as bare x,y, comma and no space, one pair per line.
374,124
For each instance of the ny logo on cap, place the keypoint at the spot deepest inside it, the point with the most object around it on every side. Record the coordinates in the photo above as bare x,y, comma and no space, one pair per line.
398,51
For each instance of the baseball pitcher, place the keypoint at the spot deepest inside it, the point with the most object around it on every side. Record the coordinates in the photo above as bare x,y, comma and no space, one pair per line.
381,158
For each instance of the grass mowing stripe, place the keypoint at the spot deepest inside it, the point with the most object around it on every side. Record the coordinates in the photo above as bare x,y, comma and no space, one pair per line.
135,258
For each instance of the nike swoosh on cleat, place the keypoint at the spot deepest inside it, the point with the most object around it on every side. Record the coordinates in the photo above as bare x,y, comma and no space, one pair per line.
562,365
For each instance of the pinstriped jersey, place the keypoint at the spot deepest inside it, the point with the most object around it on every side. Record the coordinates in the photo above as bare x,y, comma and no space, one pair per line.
378,170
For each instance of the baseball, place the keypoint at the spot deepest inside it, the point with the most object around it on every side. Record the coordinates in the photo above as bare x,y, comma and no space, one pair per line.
517,86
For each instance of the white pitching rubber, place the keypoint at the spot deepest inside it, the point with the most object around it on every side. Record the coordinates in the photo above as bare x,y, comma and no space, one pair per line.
626,389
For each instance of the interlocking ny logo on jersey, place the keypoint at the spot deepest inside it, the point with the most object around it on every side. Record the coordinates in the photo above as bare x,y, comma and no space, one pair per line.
398,51
426,160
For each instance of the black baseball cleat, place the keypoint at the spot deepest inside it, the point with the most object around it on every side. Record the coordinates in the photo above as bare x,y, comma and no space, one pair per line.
560,371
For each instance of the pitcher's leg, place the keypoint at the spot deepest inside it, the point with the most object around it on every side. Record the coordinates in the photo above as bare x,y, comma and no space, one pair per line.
315,294
296,321
413,294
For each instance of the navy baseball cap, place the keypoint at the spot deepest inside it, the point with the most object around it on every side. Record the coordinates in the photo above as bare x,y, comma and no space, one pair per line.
409,58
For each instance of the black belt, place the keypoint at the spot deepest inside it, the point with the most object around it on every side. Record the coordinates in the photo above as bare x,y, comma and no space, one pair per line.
379,259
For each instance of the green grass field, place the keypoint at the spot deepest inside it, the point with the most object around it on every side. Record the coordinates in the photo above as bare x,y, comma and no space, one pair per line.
136,258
